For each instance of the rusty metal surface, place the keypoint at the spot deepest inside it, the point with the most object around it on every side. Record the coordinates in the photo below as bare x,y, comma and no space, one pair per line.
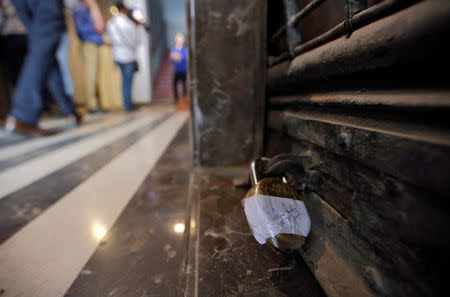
227,59
353,19
371,111
385,42
393,147
311,21
373,232
380,45
420,98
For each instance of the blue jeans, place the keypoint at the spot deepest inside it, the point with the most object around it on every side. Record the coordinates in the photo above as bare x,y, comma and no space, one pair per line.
62,55
127,70
45,25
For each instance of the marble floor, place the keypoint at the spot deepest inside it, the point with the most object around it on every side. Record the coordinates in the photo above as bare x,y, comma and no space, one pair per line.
65,201
115,208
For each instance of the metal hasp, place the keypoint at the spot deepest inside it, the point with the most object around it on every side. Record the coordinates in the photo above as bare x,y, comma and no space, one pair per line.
227,77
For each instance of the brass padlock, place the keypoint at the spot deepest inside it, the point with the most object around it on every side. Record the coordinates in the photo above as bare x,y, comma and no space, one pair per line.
272,186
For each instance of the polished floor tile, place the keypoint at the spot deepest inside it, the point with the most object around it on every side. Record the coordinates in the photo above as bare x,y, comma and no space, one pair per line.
89,126
22,206
42,166
45,256
142,254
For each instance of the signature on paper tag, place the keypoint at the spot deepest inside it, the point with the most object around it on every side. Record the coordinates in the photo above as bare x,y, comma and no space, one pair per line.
270,215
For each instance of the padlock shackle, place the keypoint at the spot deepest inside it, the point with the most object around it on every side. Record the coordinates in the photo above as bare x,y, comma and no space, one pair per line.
257,168
296,170
253,175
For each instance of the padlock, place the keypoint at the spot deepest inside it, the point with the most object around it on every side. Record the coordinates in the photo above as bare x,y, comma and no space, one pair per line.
272,186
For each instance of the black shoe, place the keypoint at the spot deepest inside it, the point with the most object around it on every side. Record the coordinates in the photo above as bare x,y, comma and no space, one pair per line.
75,119
132,109
97,111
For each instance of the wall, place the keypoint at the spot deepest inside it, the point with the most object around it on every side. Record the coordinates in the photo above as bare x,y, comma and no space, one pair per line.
142,89
157,37
174,13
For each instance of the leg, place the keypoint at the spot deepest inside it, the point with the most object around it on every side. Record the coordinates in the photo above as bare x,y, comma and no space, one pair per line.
183,80
56,86
62,55
175,89
90,57
44,30
128,70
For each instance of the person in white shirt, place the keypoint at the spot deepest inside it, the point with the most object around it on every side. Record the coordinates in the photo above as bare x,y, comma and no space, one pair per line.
124,34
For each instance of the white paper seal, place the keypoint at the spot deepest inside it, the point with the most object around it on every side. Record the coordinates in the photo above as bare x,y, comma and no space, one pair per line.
270,215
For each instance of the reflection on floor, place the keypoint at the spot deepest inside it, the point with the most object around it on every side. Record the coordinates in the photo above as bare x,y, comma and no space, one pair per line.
60,196
114,208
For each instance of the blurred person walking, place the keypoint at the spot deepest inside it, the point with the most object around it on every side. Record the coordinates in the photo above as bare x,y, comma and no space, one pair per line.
45,23
125,33
91,40
178,56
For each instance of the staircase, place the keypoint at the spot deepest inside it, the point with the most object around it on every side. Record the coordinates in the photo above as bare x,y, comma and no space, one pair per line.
162,88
